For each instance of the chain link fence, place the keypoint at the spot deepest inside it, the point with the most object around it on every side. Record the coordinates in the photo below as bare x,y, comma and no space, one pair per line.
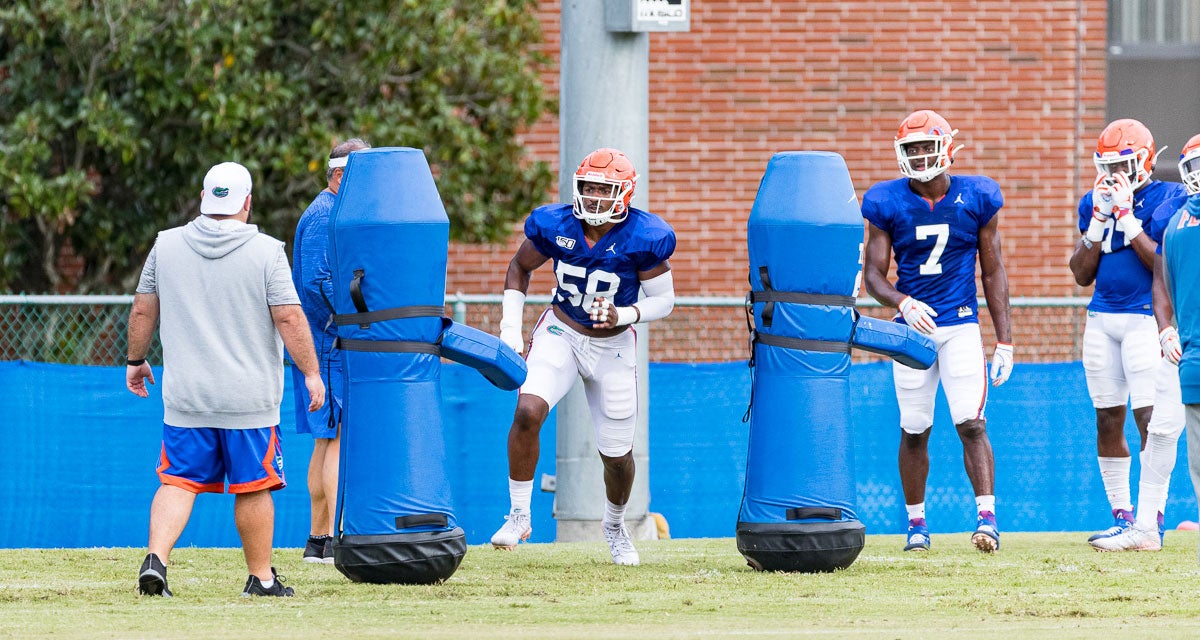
92,330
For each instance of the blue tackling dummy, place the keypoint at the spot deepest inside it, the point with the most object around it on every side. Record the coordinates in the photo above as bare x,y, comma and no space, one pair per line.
387,252
805,237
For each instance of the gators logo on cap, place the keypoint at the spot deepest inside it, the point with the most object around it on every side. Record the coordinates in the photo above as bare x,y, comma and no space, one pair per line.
220,192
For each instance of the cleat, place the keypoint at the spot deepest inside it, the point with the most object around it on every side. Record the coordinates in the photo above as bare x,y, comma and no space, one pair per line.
621,545
986,537
314,549
516,528
327,551
1122,520
254,587
1131,539
918,535
152,579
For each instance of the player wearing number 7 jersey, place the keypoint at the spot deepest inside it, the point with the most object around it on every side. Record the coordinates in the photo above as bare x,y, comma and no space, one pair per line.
936,224
604,252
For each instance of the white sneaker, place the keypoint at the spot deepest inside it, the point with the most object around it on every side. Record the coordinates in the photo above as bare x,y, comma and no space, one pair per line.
1131,539
621,546
515,529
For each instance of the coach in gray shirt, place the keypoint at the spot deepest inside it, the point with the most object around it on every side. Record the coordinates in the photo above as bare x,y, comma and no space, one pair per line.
222,294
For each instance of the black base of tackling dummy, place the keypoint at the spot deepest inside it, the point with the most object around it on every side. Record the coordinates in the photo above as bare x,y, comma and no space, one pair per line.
403,558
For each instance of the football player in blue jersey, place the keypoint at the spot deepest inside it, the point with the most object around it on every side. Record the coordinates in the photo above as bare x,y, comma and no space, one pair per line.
936,224
604,252
1181,249
1121,350
1167,420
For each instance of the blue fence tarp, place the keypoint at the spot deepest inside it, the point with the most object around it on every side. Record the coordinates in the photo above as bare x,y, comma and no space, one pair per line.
77,465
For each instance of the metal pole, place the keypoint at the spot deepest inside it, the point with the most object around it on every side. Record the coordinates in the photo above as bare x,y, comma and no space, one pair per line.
604,102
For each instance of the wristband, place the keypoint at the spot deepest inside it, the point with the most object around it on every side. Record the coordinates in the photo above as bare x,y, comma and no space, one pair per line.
135,363
1095,230
1130,226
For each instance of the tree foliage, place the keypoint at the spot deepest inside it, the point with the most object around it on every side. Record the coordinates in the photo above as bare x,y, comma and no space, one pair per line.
111,111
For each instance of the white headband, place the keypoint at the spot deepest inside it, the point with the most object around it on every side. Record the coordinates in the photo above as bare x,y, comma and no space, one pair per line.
335,163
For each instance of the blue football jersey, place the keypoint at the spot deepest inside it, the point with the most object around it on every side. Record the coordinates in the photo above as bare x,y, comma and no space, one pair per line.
936,246
1162,217
1181,250
1122,281
608,268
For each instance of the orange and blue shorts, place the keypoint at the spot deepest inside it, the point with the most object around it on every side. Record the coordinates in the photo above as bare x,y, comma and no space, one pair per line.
202,459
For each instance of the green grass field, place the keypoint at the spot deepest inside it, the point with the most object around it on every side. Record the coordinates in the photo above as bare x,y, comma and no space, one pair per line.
1041,585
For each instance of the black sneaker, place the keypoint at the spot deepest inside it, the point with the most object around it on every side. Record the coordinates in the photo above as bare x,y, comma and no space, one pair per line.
152,580
254,587
316,547
327,551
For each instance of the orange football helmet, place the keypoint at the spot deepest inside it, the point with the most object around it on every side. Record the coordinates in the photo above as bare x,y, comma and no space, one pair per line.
1189,165
1126,146
922,127
603,187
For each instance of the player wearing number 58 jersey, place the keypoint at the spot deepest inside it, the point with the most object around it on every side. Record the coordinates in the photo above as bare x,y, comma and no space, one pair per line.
936,224
604,252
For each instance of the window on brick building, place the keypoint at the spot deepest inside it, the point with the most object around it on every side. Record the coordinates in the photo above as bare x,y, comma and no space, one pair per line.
1154,71
1153,22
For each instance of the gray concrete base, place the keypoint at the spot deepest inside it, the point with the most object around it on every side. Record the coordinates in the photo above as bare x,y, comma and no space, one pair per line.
590,531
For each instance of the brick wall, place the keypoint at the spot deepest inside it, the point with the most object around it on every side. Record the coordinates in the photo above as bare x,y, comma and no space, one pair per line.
1022,80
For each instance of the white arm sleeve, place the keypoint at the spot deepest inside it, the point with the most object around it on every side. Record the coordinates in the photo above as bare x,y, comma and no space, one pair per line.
659,300
511,309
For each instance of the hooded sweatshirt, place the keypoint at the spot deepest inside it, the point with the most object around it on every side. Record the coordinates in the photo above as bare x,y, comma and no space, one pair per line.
222,356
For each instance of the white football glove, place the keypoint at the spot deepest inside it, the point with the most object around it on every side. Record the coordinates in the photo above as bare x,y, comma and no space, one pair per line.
1171,347
1002,363
918,315
1102,208
1123,207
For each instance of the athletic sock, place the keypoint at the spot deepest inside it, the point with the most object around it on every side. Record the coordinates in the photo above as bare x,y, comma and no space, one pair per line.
1158,460
267,584
985,503
614,514
915,511
520,494
1115,474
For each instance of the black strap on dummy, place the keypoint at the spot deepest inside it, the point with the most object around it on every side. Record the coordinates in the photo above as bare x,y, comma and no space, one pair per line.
804,513
801,344
388,346
422,520
770,296
365,316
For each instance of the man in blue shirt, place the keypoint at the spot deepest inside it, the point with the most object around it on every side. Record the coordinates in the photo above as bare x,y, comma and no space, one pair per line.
604,251
936,224
1121,350
313,279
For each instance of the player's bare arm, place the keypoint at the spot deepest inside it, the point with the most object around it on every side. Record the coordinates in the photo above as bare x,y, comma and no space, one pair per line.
1145,248
1085,261
877,259
521,267
995,279
1164,312
143,318
516,284
292,326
